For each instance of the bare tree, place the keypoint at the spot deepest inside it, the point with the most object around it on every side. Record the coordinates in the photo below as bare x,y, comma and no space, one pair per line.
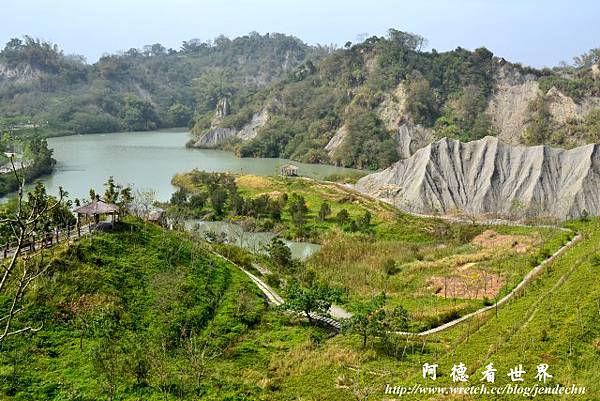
18,272
143,200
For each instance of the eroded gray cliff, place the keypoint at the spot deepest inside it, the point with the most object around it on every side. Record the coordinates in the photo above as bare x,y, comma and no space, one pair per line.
488,176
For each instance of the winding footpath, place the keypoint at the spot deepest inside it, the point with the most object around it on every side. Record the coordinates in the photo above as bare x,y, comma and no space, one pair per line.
337,314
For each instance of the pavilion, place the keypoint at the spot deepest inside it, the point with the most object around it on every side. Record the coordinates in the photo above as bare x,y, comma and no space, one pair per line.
96,209
289,170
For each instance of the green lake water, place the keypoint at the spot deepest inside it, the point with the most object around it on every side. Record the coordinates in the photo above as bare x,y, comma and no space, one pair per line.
148,160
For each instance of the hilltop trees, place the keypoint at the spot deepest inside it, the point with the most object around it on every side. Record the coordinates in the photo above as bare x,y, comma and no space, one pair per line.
354,94
140,89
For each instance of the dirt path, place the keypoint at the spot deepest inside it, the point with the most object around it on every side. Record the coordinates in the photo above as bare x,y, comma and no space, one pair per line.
337,313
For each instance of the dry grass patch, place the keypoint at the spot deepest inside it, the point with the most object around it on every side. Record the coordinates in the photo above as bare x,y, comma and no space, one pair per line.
306,358
439,312
358,263
253,182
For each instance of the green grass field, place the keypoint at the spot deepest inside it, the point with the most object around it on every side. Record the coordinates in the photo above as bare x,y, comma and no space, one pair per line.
147,314
437,270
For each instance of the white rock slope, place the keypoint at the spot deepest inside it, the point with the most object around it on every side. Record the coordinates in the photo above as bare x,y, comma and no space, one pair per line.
216,136
488,176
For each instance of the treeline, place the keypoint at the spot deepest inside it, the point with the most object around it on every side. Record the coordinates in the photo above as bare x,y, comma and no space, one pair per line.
36,159
447,90
359,90
215,196
139,89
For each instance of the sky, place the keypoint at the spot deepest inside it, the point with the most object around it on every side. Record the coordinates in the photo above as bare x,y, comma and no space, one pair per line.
533,32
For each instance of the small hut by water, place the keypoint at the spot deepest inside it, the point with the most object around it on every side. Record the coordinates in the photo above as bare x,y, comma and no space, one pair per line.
96,209
157,216
289,170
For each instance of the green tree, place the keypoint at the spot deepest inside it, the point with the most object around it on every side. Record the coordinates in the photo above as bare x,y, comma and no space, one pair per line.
368,320
218,198
179,197
371,319
364,221
316,299
342,217
539,127
180,115
280,253
275,209
112,191
298,210
324,211
138,114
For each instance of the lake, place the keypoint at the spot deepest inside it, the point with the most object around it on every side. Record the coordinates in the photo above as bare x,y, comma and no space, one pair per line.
253,241
148,160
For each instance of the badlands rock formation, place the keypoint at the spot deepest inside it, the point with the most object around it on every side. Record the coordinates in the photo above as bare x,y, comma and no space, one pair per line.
488,176
216,135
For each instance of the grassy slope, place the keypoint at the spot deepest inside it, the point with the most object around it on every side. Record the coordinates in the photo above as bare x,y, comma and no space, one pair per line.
140,295
559,329
420,248
277,359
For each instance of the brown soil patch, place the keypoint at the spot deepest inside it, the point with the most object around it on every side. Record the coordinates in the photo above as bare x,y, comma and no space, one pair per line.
491,239
466,283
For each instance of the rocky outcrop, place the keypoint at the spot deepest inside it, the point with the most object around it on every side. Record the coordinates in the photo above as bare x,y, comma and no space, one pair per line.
217,136
250,130
336,140
392,110
564,109
20,74
214,137
222,109
509,103
411,137
488,176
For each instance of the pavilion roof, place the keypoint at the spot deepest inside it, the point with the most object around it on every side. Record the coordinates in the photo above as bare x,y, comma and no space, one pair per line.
289,167
97,207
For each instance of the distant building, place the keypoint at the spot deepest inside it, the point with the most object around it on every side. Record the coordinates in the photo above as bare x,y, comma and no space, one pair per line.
157,216
289,170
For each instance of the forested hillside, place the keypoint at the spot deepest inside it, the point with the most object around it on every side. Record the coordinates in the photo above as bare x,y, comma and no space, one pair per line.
43,90
365,105
371,103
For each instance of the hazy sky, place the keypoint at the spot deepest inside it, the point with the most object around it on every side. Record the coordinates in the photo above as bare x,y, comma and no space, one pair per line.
534,32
